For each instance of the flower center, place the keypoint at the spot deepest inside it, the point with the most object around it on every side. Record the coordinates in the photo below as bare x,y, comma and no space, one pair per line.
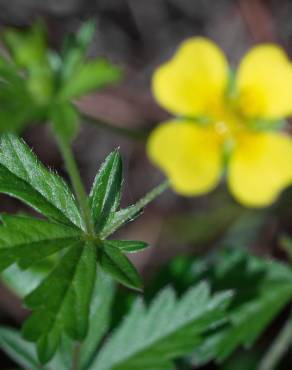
226,122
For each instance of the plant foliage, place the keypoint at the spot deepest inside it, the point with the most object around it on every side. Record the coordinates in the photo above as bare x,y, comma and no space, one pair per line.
151,338
38,84
27,241
262,289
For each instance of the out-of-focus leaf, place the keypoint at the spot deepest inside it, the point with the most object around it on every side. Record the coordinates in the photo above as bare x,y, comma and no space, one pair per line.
151,338
286,245
91,76
18,349
242,361
27,47
262,288
182,272
17,108
40,84
100,317
29,51
23,282
23,352
66,120
245,229
74,50
85,34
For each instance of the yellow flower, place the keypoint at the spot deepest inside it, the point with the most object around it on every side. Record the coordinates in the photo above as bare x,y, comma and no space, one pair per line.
217,114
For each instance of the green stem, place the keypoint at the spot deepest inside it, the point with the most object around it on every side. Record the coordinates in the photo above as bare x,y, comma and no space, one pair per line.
130,212
123,131
76,356
79,190
278,348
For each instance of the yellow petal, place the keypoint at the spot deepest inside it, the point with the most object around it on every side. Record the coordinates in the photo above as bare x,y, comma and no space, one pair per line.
188,154
264,81
193,80
260,168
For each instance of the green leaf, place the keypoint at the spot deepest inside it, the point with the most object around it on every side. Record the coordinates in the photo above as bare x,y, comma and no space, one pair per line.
170,328
91,76
65,354
85,34
18,349
105,194
250,321
27,241
262,289
128,246
119,266
23,282
66,120
23,352
62,301
100,318
29,51
286,244
74,50
24,177
28,48
17,106
130,213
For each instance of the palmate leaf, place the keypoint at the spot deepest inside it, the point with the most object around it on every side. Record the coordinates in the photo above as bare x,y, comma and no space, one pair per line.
23,352
90,76
105,194
119,266
78,76
26,240
150,338
24,177
100,317
61,301
74,49
29,53
27,48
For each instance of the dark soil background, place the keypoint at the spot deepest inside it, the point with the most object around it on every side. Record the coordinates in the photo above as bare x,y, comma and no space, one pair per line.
138,35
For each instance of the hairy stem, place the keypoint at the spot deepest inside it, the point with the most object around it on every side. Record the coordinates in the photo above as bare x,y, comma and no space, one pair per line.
74,174
278,348
138,135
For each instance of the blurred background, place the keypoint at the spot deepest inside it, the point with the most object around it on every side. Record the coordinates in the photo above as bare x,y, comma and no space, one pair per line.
139,35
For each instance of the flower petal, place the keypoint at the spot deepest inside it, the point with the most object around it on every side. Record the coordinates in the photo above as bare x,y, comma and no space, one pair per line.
188,154
260,168
193,80
264,81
